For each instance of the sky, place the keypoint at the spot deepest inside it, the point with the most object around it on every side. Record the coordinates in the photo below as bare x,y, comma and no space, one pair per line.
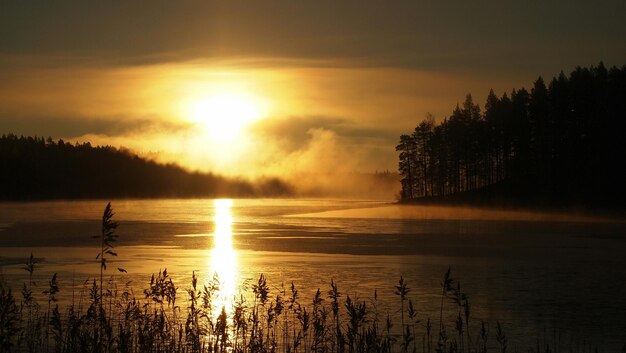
278,88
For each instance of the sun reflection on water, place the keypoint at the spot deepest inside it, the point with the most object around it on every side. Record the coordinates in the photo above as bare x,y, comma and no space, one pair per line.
224,256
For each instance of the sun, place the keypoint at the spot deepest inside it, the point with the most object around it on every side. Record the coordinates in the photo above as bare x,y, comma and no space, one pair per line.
223,116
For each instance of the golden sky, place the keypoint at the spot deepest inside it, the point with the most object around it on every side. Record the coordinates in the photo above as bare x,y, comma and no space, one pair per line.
276,87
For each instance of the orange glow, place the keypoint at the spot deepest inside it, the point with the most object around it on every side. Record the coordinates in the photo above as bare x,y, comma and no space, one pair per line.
236,118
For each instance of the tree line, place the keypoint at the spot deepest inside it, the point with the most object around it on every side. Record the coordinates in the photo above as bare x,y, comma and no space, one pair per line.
560,143
33,168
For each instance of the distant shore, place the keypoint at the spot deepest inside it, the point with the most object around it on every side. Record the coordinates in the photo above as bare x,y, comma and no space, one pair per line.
503,197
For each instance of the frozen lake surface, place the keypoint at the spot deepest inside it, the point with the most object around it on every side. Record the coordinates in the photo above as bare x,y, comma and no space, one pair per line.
556,278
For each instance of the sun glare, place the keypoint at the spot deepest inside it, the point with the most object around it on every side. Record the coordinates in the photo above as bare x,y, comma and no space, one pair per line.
224,255
221,111
224,116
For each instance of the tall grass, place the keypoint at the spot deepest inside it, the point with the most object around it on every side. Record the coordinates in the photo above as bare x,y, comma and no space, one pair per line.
164,318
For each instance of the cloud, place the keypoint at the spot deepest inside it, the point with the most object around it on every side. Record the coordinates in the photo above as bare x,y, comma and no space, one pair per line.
322,153
325,145
444,35
326,164
293,132
77,126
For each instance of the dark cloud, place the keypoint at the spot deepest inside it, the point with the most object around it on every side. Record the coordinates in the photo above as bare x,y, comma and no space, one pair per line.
446,35
71,127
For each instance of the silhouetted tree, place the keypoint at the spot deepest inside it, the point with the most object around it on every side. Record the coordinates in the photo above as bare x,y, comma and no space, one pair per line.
422,136
38,168
560,144
407,149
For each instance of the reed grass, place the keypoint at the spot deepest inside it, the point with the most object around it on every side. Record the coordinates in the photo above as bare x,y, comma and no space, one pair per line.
164,318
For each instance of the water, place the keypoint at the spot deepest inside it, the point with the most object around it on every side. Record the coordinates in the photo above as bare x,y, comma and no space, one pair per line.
556,278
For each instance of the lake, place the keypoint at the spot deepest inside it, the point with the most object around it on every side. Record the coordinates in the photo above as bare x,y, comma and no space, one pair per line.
556,278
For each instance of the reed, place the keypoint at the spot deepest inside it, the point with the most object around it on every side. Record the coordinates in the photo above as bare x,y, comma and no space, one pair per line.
162,319
10,327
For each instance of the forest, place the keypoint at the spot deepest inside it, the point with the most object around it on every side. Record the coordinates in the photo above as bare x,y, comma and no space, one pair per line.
34,168
561,144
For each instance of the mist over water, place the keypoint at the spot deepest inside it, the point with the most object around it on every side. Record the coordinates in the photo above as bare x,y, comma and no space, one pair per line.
537,274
